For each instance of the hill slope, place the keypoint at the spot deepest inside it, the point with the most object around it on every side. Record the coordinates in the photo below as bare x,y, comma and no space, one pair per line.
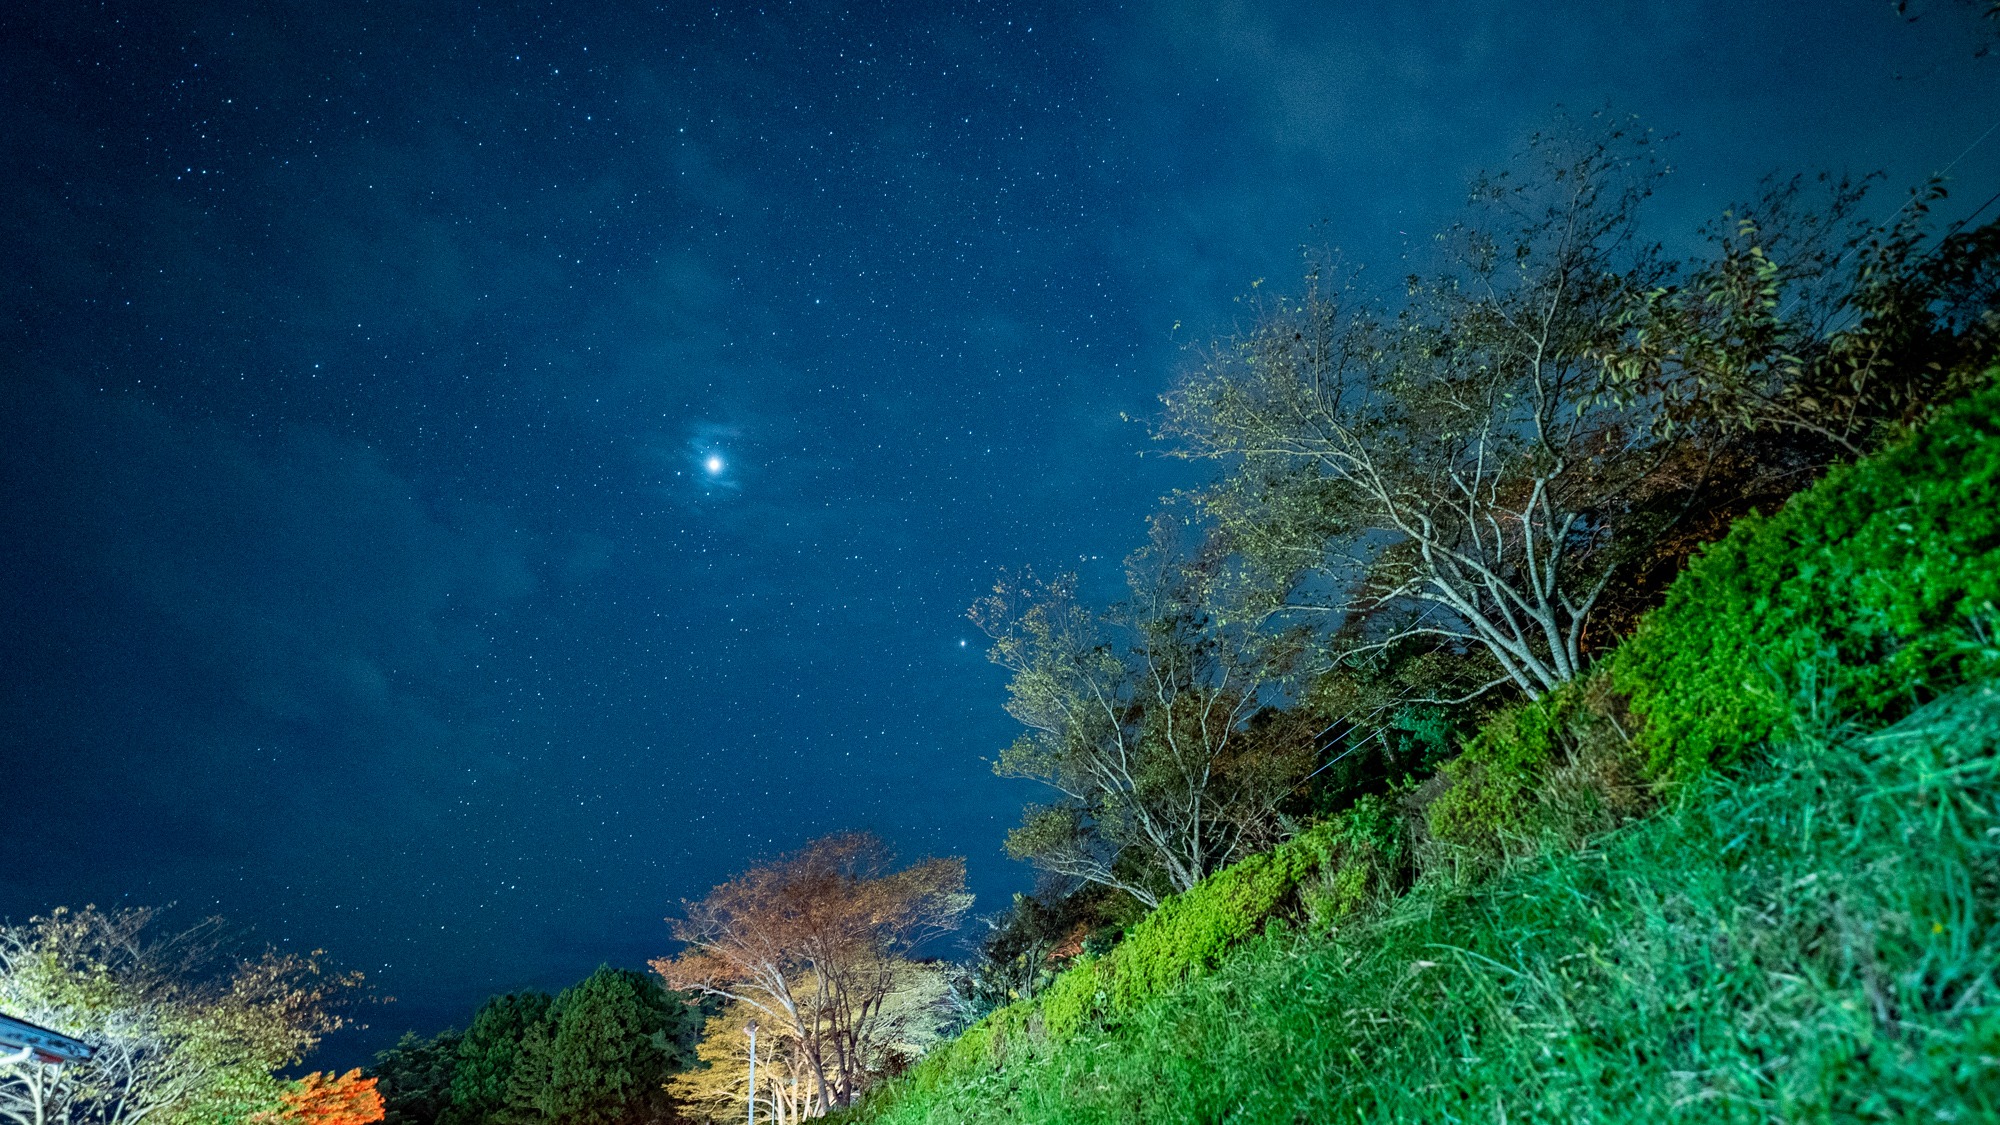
1808,934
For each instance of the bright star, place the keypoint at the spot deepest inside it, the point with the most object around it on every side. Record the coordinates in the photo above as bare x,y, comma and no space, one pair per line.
713,464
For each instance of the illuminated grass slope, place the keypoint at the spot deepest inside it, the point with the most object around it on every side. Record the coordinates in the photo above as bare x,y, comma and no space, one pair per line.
1809,934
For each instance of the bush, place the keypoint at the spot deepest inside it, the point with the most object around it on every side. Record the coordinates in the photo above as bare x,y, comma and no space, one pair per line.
1878,573
1327,873
1349,854
1075,999
1553,770
1486,788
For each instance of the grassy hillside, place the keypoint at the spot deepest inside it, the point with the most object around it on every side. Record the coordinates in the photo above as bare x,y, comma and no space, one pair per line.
1819,940
1807,934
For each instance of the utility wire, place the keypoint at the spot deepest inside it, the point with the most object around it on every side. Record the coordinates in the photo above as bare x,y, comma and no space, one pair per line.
1907,204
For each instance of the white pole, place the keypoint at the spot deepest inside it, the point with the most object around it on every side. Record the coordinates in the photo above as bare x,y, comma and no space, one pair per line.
751,1027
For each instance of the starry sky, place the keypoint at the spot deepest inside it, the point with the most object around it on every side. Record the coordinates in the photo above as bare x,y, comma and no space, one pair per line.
475,474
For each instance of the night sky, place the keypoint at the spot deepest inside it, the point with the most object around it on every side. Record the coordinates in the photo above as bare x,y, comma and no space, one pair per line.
473,475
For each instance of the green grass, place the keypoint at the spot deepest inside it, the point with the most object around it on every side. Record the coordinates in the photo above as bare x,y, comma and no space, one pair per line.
1817,942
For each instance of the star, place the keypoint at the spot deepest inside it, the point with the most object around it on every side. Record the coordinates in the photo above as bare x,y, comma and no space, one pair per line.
713,464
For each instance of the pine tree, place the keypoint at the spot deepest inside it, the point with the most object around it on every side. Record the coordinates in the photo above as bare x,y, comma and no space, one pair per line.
415,1078
605,1052
488,1054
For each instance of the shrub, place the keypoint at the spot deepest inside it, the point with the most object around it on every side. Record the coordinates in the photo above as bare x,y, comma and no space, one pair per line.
1875,573
1486,787
1074,999
1349,854
1560,766
1329,873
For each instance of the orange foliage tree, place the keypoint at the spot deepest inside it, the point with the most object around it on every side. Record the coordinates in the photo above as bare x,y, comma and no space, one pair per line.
322,1099
817,944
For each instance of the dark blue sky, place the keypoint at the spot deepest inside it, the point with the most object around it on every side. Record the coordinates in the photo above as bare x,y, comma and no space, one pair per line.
364,576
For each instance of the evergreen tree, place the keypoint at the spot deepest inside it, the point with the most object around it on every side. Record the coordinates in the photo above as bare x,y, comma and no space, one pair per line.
532,1075
415,1078
605,1052
487,1056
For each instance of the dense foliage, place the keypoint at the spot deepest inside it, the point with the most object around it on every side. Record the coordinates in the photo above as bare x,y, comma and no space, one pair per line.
1871,593
603,1054
327,1099
1873,590
414,1078
482,1084
1327,873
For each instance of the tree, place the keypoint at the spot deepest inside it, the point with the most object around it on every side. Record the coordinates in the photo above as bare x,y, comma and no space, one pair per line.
1459,471
915,1015
1143,720
1026,945
1539,419
1809,322
818,945
323,1099
415,1076
604,1052
488,1053
184,1030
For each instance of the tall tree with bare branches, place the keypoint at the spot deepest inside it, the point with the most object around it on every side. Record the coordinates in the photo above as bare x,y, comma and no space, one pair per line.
1153,722
1456,471
1475,469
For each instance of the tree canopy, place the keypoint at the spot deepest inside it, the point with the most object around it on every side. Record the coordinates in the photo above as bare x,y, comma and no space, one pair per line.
604,1052
819,946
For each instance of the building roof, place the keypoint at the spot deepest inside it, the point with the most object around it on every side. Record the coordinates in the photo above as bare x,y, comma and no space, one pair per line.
49,1046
